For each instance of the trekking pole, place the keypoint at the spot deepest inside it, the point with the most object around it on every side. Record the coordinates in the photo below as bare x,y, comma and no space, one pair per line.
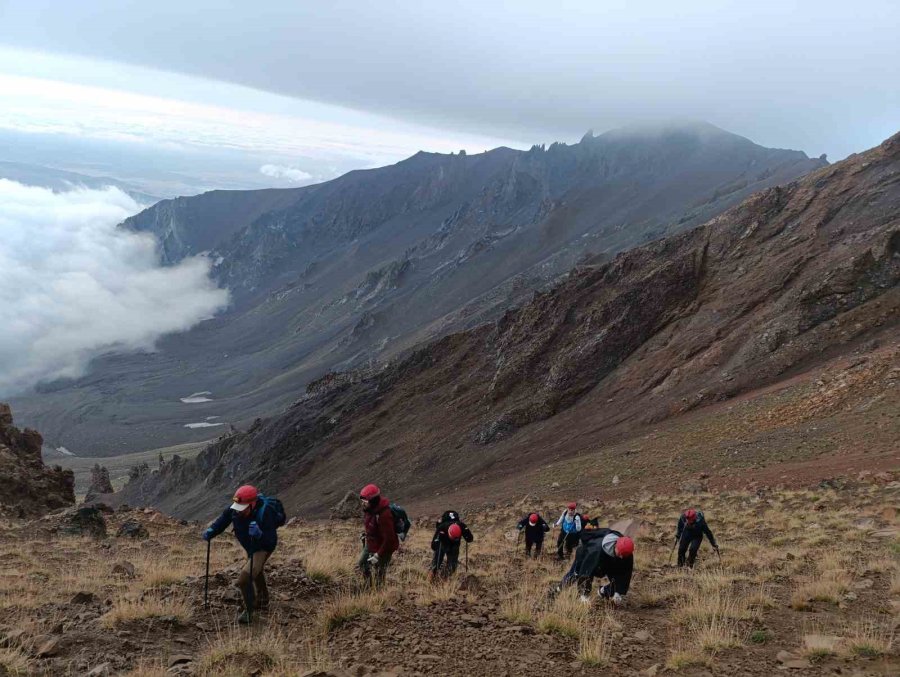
250,590
467,557
206,583
674,545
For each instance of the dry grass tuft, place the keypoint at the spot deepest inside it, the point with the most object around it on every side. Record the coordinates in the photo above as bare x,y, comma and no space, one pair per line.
126,610
14,662
347,607
868,639
522,603
594,646
687,657
328,560
566,615
238,654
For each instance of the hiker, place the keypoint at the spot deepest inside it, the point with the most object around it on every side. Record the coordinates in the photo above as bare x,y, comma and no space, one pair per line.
692,527
570,526
534,527
380,538
602,552
445,543
589,523
255,520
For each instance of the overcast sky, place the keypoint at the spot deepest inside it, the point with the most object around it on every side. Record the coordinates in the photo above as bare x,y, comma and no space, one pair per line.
366,82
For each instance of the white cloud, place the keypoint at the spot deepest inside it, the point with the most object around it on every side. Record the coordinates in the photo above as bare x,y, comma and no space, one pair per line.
72,285
281,172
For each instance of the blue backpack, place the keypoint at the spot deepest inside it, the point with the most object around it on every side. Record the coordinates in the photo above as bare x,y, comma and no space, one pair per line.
276,505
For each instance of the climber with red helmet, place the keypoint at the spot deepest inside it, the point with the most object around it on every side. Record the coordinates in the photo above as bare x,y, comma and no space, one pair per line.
692,527
534,527
380,540
448,534
254,519
570,526
602,552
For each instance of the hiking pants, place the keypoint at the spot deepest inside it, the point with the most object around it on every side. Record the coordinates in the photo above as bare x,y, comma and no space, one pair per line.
689,546
567,542
450,553
380,568
538,546
261,595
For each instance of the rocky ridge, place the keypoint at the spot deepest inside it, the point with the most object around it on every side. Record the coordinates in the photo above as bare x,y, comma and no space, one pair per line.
792,276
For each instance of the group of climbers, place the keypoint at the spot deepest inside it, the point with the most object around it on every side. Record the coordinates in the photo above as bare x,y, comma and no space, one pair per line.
599,552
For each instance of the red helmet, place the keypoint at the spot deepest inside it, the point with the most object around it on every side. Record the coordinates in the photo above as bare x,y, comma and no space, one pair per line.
369,492
572,505
624,547
690,515
455,532
244,497
533,518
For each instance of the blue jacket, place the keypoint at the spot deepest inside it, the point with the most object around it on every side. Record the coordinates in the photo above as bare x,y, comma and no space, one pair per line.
264,518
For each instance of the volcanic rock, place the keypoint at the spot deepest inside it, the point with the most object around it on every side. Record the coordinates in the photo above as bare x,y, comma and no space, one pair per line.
133,529
100,484
30,487
83,521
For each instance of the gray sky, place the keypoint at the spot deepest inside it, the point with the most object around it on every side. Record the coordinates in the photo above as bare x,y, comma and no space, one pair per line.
818,76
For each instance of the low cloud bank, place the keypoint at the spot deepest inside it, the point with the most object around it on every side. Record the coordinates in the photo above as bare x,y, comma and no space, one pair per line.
73,286
288,173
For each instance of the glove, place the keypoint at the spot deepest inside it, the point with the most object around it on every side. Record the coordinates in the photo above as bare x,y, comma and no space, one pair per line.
255,531
618,599
207,535
373,560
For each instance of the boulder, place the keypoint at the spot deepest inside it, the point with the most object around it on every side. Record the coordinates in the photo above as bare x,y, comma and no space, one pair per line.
347,507
83,521
133,529
124,569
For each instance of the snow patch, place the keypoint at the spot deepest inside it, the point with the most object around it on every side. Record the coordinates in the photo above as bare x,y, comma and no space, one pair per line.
196,398
202,424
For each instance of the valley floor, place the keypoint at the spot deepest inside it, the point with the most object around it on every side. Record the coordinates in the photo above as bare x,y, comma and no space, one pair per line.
808,581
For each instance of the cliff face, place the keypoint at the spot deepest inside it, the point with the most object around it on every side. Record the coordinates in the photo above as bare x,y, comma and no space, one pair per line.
791,276
367,266
29,487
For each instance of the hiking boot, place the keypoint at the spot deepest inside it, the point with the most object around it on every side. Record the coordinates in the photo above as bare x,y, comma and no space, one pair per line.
244,618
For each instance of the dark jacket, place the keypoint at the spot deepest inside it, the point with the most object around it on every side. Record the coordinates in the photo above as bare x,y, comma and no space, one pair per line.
264,518
698,529
381,537
535,533
441,538
591,560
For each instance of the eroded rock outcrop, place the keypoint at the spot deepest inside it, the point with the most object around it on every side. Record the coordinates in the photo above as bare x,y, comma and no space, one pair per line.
30,487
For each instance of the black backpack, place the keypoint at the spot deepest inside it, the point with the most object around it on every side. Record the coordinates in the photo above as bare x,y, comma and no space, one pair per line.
276,505
402,525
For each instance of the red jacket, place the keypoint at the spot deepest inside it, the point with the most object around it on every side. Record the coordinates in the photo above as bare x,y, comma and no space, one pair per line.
381,537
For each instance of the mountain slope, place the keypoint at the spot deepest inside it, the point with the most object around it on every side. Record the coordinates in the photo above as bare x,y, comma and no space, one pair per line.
364,267
790,277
